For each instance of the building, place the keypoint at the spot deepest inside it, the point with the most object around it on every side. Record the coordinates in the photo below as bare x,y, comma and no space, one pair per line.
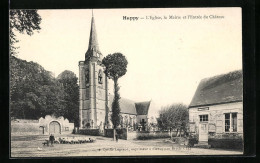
216,110
95,100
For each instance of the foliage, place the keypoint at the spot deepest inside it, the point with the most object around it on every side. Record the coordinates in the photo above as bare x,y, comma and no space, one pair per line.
23,21
152,135
173,117
68,81
116,65
34,92
226,143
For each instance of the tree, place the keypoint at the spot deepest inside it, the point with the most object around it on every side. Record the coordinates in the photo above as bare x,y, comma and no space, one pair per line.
34,92
116,67
68,80
173,117
23,21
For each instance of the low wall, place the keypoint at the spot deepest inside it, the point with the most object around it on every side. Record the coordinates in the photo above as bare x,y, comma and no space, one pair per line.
39,127
92,132
152,135
28,128
122,133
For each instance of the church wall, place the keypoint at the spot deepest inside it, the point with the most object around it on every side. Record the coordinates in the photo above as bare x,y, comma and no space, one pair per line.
88,104
82,67
85,117
101,104
82,90
101,93
82,93
100,118
87,93
93,95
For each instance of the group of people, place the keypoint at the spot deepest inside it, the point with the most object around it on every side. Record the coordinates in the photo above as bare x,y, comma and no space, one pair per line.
68,140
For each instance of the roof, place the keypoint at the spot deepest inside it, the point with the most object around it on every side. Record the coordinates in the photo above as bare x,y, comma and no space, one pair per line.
126,105
93,48
142,108
223,88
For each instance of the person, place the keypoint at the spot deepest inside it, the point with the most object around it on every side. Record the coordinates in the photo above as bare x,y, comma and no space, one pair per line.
51,139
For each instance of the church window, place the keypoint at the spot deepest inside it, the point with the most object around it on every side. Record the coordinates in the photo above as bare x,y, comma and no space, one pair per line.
87,76
100,77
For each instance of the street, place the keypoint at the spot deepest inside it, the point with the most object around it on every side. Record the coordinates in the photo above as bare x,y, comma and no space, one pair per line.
31,146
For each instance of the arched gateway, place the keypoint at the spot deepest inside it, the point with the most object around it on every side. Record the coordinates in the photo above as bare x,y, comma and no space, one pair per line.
55,127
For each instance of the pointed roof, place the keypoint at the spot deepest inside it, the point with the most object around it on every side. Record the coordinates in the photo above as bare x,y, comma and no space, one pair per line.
93,48
142,108
219,89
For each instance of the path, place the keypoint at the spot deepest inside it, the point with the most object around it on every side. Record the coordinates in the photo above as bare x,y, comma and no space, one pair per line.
31,146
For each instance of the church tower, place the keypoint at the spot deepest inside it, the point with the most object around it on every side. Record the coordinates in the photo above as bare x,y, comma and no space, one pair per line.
93,86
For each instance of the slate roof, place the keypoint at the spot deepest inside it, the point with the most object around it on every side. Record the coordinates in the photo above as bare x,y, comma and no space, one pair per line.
126,105
223,88
142,108
93,48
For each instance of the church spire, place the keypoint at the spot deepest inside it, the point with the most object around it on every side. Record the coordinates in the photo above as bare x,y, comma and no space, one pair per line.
93,48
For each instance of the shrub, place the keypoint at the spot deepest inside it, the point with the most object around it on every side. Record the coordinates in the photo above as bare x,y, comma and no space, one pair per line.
152,135
226,143
193,139
179,140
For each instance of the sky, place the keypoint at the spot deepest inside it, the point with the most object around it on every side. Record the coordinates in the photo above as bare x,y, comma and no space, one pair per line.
167,58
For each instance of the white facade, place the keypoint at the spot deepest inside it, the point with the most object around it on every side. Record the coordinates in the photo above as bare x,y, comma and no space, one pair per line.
218,120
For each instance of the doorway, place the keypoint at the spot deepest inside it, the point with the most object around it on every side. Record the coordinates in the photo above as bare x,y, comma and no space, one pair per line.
203,132
41,130
55,128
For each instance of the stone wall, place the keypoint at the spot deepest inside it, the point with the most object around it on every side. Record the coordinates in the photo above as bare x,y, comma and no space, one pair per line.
40,127
25,127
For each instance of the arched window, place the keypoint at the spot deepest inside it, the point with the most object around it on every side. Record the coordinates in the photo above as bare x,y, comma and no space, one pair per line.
87,76
100,77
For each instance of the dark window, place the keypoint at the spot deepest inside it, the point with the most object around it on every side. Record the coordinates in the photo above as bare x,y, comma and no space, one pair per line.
100,77
227,122
231,122
204,118
87,76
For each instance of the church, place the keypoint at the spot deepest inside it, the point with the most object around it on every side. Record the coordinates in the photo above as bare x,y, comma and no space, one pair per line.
95,101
